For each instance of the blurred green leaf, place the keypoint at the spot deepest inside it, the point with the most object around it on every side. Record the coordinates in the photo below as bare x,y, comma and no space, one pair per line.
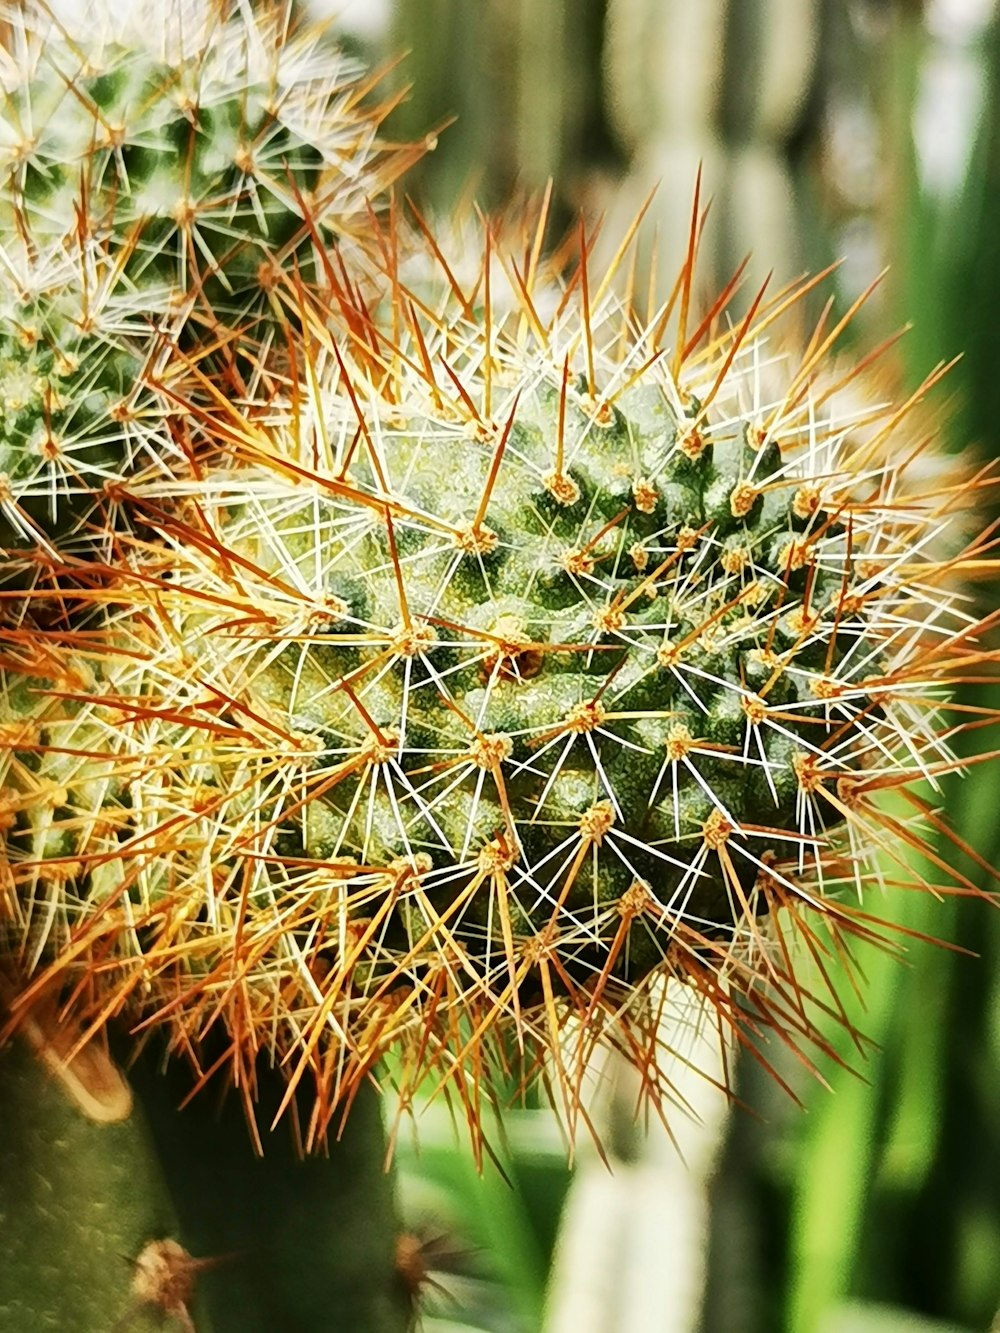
858,1318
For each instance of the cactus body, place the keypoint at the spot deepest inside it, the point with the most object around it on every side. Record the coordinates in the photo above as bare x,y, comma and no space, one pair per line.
79,1200
157,1219
444,699
410,660
158,167
220,135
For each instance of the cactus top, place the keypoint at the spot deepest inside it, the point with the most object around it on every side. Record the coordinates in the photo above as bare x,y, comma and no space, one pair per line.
210,129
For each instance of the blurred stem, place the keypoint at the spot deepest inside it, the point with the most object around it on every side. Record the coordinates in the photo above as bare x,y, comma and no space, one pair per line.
842,1148
641,1207
903,217
78,1201
307,1243
495,1220
521,81
272,1243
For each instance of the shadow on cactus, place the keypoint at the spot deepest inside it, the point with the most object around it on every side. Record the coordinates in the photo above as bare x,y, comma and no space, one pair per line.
159,166
517,652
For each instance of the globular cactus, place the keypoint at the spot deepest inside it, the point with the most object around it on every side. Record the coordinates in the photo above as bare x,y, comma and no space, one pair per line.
159,165
226,135
525,655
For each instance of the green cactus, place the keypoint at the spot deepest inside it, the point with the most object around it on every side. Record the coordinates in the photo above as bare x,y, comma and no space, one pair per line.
210,138
412,668
473,700
120,1213
158,168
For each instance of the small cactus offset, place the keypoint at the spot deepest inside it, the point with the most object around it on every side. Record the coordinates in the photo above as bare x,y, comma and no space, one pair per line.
211,137
522,655
159,165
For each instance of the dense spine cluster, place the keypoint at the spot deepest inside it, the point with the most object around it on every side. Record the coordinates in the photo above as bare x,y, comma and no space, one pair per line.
80,350
216,138
159,167
512,653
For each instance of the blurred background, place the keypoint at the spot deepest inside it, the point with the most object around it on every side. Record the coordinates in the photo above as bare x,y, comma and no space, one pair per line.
864,130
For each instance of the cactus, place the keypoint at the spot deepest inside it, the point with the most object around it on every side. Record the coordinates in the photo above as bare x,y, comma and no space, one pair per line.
140,1218
213,138
508,665
426,667
158,166
523,77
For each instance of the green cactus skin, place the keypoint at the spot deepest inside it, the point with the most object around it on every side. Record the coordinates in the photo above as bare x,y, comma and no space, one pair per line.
274,1241
307,1244
458,702
78,1202
158,168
